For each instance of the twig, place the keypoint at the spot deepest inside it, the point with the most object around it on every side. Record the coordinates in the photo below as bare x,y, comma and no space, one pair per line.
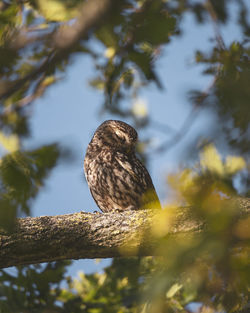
189,121
8,91
162,127
209,6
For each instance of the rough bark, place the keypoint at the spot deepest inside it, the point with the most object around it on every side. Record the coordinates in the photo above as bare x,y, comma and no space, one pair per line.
93,235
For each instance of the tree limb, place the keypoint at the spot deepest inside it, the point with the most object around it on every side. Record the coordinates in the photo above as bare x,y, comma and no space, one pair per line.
92,235
91,14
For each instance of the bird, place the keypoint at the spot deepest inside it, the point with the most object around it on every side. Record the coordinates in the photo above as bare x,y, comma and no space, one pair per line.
117,179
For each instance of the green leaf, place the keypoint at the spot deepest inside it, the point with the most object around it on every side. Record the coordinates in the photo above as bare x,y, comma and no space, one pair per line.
153,23
144,62
107,36
22,174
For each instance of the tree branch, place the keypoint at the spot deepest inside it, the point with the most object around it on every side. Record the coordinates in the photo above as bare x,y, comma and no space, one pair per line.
92,14
93,235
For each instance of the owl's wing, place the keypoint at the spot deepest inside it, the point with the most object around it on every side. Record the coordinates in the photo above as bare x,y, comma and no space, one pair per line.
141,177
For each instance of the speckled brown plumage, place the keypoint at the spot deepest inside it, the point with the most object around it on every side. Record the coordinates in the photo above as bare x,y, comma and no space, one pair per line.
116,177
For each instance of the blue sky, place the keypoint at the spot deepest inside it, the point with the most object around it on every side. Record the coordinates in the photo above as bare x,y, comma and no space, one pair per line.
69,113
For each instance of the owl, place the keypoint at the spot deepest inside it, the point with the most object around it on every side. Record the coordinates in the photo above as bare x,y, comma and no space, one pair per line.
117,179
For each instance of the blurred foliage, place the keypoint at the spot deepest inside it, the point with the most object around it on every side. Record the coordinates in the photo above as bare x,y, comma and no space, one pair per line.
230,96
211,268
22,174
32,289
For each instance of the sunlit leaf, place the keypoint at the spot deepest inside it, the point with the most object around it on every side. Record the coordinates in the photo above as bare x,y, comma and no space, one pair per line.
211,160
10,143
162,221
55,10
109,52
234,164
139,108
172,291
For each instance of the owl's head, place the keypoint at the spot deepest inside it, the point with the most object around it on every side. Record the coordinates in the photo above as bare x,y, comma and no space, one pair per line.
116,134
